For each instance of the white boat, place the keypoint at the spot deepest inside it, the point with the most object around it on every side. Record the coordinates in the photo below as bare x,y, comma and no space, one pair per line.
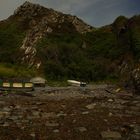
76,83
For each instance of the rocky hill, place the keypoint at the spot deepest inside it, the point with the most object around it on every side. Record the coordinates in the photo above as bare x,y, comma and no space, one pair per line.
36,22
39,22
38,40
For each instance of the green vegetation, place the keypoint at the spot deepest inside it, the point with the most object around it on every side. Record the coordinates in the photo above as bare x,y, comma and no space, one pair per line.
103,44
65,56
11,38
135,38
94,56
11,71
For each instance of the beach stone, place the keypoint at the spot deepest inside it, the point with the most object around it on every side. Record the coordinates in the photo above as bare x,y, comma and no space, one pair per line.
49,115
5,124
52,124
110,114
18,107
61,114
110,100
85,113
56,131
14,118
25,121
39,103
111,134
82,129
3,113
118,90
74,121
36,113
7,109
32,134
91,106
34,108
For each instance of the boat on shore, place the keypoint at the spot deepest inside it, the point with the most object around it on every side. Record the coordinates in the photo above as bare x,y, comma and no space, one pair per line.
76,83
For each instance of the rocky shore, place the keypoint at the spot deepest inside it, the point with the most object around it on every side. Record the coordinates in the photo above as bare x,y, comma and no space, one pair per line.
70,113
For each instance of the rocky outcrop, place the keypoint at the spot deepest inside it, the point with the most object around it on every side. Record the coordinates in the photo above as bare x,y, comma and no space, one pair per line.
79,24
37,31
130,77
42,21
35,11
136,80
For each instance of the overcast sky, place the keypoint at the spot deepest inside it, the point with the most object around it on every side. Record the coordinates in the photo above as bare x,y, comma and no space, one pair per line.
94,12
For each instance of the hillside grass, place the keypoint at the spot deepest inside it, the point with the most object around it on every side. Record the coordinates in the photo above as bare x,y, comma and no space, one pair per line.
15,71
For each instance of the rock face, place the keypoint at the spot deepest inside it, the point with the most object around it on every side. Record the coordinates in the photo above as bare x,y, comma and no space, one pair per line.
41,21
130,77
31,11
136,80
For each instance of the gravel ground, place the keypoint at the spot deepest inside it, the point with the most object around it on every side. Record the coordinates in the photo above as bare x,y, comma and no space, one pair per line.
96,112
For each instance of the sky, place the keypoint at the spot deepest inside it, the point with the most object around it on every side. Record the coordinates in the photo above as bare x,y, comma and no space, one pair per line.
94,12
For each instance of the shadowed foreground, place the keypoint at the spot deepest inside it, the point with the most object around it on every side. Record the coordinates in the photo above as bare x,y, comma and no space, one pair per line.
96,113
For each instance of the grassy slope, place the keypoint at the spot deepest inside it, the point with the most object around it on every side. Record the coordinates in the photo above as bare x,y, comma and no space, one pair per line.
11,71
